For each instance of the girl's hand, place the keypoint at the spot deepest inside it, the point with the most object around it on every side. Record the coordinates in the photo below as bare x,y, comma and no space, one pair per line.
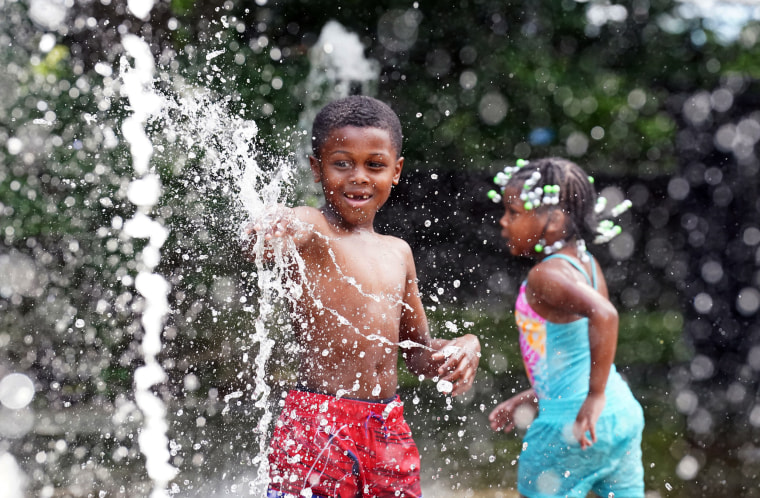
460,357
586,419
502,417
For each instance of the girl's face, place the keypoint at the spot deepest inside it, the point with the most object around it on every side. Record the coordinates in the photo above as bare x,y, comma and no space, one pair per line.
522,229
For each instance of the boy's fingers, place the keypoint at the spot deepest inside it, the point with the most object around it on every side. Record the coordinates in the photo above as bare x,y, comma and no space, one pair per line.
457,360
451,370
448,366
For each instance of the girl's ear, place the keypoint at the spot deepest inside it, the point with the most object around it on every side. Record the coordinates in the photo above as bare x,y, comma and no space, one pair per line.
316,172
556,225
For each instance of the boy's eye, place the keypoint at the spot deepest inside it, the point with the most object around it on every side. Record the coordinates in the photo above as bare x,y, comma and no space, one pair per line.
376,165
342,164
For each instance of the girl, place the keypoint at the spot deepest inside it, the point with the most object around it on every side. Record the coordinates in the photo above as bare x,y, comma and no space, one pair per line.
587,436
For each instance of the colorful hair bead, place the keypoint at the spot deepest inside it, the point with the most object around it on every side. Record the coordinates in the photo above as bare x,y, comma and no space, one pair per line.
551,194
502,178
607,231
621,208
601,204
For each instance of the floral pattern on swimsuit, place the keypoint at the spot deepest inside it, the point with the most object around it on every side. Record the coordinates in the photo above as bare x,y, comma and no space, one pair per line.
532,329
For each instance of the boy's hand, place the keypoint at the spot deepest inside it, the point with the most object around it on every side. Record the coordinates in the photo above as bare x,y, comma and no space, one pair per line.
460,357
276,222
586,419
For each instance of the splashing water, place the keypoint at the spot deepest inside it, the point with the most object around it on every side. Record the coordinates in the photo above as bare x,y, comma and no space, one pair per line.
199,122
145,192
201,125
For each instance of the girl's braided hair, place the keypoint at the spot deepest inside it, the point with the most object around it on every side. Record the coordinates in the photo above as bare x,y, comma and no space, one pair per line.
577,196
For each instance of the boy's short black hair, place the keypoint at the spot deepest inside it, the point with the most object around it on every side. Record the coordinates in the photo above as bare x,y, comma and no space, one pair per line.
356,110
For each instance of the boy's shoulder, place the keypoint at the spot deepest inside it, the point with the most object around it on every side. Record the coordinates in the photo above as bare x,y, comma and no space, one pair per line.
308,214
316,218
395,242
312,218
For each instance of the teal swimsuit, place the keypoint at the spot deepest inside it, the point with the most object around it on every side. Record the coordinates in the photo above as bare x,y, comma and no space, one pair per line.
552,464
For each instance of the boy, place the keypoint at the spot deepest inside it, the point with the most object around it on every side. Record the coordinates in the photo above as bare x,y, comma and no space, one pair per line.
341,432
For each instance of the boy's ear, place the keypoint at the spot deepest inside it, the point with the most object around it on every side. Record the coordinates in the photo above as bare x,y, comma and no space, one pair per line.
397,173
315,170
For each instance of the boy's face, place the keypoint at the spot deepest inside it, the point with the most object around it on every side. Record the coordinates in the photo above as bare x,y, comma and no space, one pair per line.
357,166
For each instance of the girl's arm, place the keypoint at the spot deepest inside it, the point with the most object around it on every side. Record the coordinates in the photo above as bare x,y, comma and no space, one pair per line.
455,360
560,295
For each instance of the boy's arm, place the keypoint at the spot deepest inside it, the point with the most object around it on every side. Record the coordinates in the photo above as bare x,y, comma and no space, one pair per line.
455,361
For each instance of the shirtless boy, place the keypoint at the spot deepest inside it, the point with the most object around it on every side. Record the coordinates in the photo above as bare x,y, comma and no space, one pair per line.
342,432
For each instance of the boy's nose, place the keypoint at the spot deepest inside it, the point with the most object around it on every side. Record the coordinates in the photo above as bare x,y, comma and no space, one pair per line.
358,175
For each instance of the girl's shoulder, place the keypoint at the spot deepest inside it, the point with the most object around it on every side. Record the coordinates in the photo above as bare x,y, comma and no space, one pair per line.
558,267
557,277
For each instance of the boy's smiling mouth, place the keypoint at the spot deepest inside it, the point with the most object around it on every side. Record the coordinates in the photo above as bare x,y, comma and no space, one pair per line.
357,197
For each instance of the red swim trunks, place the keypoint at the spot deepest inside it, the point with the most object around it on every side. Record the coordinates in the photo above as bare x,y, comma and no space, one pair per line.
325,446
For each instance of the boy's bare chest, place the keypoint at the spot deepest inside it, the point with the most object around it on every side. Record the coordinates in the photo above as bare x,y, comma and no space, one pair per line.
373,266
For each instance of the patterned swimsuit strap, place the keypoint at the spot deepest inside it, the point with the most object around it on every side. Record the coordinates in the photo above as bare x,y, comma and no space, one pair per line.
578,266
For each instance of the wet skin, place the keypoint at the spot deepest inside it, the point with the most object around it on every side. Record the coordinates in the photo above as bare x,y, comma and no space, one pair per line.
360,295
